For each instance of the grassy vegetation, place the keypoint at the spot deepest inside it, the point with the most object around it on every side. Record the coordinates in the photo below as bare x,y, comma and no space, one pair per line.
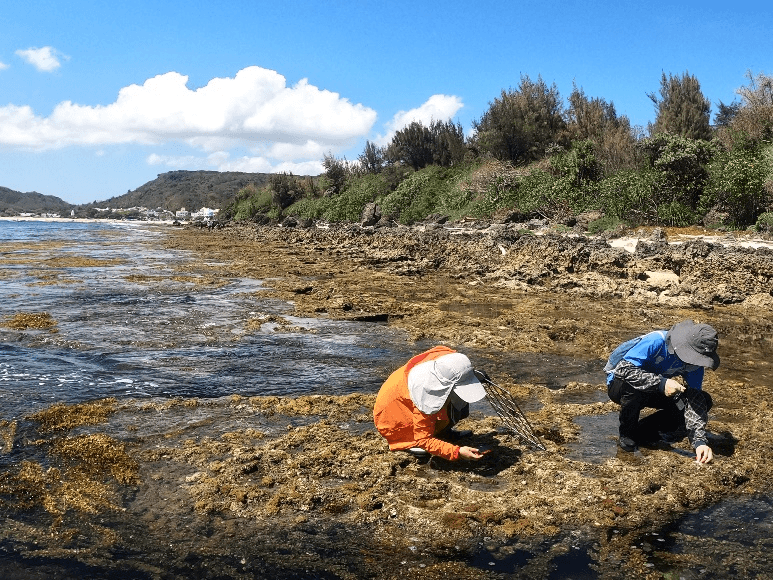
249,202
552,188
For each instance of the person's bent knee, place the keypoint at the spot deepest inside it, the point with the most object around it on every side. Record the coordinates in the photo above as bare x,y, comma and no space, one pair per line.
614,390
708,400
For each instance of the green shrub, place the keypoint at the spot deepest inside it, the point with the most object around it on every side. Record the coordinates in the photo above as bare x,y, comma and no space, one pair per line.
309,207
525,191
359,191
629,196
579,164
250,202
605,224
680,164
737,185
765,222
455,197
543,193
535,190
482,187
676,214
433,189
410,201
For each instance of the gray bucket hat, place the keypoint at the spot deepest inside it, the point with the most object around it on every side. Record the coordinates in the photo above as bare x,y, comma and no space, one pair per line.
430,382
694,343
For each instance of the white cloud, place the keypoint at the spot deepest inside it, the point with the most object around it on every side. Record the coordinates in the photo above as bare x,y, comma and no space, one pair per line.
3,66
44,59
256,106
180,161
263,165
281,127
293,151
436,108
221,161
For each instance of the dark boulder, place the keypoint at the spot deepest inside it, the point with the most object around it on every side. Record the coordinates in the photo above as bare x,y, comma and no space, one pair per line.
371,214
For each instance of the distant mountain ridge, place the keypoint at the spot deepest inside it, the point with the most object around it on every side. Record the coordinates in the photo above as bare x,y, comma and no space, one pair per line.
189,189
15,202
173,190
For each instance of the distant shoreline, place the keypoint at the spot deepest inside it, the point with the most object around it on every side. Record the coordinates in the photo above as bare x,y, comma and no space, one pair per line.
83,220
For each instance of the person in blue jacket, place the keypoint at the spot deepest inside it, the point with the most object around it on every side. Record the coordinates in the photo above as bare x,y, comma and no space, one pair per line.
645,376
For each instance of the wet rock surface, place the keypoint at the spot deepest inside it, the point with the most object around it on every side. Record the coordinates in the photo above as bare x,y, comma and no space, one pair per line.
304,487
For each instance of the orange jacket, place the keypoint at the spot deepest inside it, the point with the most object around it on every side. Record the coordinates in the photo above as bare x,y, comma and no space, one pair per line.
398,419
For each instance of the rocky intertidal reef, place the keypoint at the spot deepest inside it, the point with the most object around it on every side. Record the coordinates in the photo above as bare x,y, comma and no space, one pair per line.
312,468
303,486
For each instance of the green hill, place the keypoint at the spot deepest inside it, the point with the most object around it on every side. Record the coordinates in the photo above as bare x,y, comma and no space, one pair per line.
189,189
173,190
15,203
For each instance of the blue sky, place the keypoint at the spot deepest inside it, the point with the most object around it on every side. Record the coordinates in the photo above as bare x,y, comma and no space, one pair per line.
97,98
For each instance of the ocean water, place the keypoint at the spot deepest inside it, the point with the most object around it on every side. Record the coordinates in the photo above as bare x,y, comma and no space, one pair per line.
124,327
136,320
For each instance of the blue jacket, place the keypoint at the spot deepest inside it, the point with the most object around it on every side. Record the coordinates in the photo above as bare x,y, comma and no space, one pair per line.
654,364
648,364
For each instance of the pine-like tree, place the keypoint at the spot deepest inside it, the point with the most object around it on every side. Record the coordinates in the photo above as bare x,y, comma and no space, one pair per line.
755,117
681,108
726,113
372,158
336,173
284,189
521,124
449,142
412,146
595,120
417,146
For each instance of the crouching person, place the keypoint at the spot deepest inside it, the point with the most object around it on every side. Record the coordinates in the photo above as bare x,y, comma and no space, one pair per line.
642,372
420,402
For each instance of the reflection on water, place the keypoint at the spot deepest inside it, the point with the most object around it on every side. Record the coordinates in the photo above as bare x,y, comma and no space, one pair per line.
134,328
553,371
598,438
735,538
490,309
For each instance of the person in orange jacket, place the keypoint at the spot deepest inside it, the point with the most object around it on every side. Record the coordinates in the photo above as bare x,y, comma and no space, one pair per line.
420,402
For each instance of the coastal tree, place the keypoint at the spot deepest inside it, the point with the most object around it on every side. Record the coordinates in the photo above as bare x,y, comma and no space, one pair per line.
759,92
336,173
741,183
284,189
755,116
726,113
449,141
416,145
597,121
521,124
412,146
372,158
681,108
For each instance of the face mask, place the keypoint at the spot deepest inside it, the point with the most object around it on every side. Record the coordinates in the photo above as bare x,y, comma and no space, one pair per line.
456,401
